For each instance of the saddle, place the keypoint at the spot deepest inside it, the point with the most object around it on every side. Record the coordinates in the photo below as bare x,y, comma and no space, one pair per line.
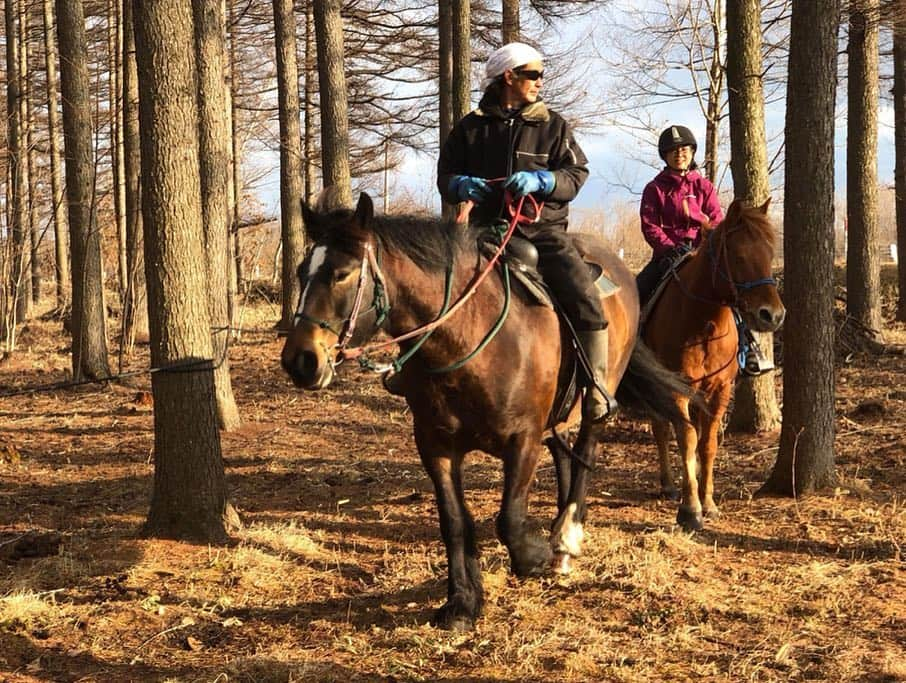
648,306
521,257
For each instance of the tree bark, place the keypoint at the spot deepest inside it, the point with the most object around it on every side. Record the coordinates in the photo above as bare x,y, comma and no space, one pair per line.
236,167
311,69
31,280
461,58
17,190
863,262
114,52
510,21
135,303
291,171
755,407
334,105
805,460
445,81
899,133
61,240
89,315
214,162
715,93
189,499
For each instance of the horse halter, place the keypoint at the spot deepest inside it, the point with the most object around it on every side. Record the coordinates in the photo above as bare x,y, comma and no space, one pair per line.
347,326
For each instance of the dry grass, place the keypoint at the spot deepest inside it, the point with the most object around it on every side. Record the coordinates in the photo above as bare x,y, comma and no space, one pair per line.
339,565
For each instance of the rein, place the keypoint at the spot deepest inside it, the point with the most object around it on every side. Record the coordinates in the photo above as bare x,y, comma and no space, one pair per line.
516,218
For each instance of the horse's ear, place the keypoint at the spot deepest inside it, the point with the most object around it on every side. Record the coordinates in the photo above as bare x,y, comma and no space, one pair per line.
364,212
764,207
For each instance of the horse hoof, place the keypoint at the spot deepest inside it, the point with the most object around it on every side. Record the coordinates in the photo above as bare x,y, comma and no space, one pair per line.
690,520
446,618
562,564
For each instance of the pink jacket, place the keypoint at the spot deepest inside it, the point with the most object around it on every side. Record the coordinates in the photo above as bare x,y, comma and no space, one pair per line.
675,207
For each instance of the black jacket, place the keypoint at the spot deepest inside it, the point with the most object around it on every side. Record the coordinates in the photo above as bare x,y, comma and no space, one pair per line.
489,144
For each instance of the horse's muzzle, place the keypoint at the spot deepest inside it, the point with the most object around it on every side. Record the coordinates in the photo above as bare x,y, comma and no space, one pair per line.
306,370
768,318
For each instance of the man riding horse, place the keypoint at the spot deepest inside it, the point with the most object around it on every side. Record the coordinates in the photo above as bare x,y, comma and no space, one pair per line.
514,144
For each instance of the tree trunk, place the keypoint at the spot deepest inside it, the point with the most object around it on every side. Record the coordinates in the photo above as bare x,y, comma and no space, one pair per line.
89,316
715,93
214,161
899,134
510,21
32,279
311,67
291,172
135,303
61,240
805,460
334,106
755,407
445,81
863,263
236,167
114,53
189,499
461,58
16,190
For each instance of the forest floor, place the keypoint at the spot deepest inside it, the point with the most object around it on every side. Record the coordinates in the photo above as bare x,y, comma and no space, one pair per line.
339,565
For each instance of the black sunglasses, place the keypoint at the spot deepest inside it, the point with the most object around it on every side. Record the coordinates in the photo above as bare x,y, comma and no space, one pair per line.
529,74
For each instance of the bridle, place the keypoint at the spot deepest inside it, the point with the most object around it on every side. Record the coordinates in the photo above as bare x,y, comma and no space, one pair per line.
720,261
371,262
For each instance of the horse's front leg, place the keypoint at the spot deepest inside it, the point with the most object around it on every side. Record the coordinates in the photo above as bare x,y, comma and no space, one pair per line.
464,590
529,554
689,515
567,532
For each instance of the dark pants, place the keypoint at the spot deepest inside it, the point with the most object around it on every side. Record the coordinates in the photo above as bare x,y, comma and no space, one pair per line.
569,278
649,276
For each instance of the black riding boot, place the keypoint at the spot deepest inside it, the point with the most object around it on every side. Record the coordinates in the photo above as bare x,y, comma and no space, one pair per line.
596,405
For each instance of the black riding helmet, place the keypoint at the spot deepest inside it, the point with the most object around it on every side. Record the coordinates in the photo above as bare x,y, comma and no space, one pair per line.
673,137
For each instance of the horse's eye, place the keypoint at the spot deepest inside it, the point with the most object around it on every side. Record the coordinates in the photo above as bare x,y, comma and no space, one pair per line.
341,275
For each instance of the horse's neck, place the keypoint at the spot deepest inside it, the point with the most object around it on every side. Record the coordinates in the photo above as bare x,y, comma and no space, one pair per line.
700,278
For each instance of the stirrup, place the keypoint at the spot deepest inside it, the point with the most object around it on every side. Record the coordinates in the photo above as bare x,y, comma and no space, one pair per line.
756,362
603,399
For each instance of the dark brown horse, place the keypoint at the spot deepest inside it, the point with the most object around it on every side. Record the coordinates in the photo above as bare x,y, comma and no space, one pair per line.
396,274
692,330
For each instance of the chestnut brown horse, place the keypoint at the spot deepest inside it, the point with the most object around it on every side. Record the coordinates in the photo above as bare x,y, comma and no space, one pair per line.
692,330
468,387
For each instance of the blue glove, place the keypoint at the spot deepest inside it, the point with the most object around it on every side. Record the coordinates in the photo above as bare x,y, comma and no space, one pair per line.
522,183
470,188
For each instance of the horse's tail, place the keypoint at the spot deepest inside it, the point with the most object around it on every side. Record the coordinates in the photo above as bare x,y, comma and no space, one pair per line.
650,387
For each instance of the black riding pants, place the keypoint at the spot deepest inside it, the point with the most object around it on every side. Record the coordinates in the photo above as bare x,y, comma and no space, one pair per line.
568,277
649,276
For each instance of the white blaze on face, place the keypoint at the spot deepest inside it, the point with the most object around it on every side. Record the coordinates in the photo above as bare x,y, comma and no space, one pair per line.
318,256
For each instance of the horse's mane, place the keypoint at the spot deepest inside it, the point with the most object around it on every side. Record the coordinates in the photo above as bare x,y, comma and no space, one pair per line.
752,220
431,243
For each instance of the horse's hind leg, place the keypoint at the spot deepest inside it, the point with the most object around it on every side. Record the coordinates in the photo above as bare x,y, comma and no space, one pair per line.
529,554
568,533
464,590
663,431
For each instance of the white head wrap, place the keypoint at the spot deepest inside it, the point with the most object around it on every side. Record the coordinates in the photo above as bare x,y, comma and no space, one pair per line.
509,56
